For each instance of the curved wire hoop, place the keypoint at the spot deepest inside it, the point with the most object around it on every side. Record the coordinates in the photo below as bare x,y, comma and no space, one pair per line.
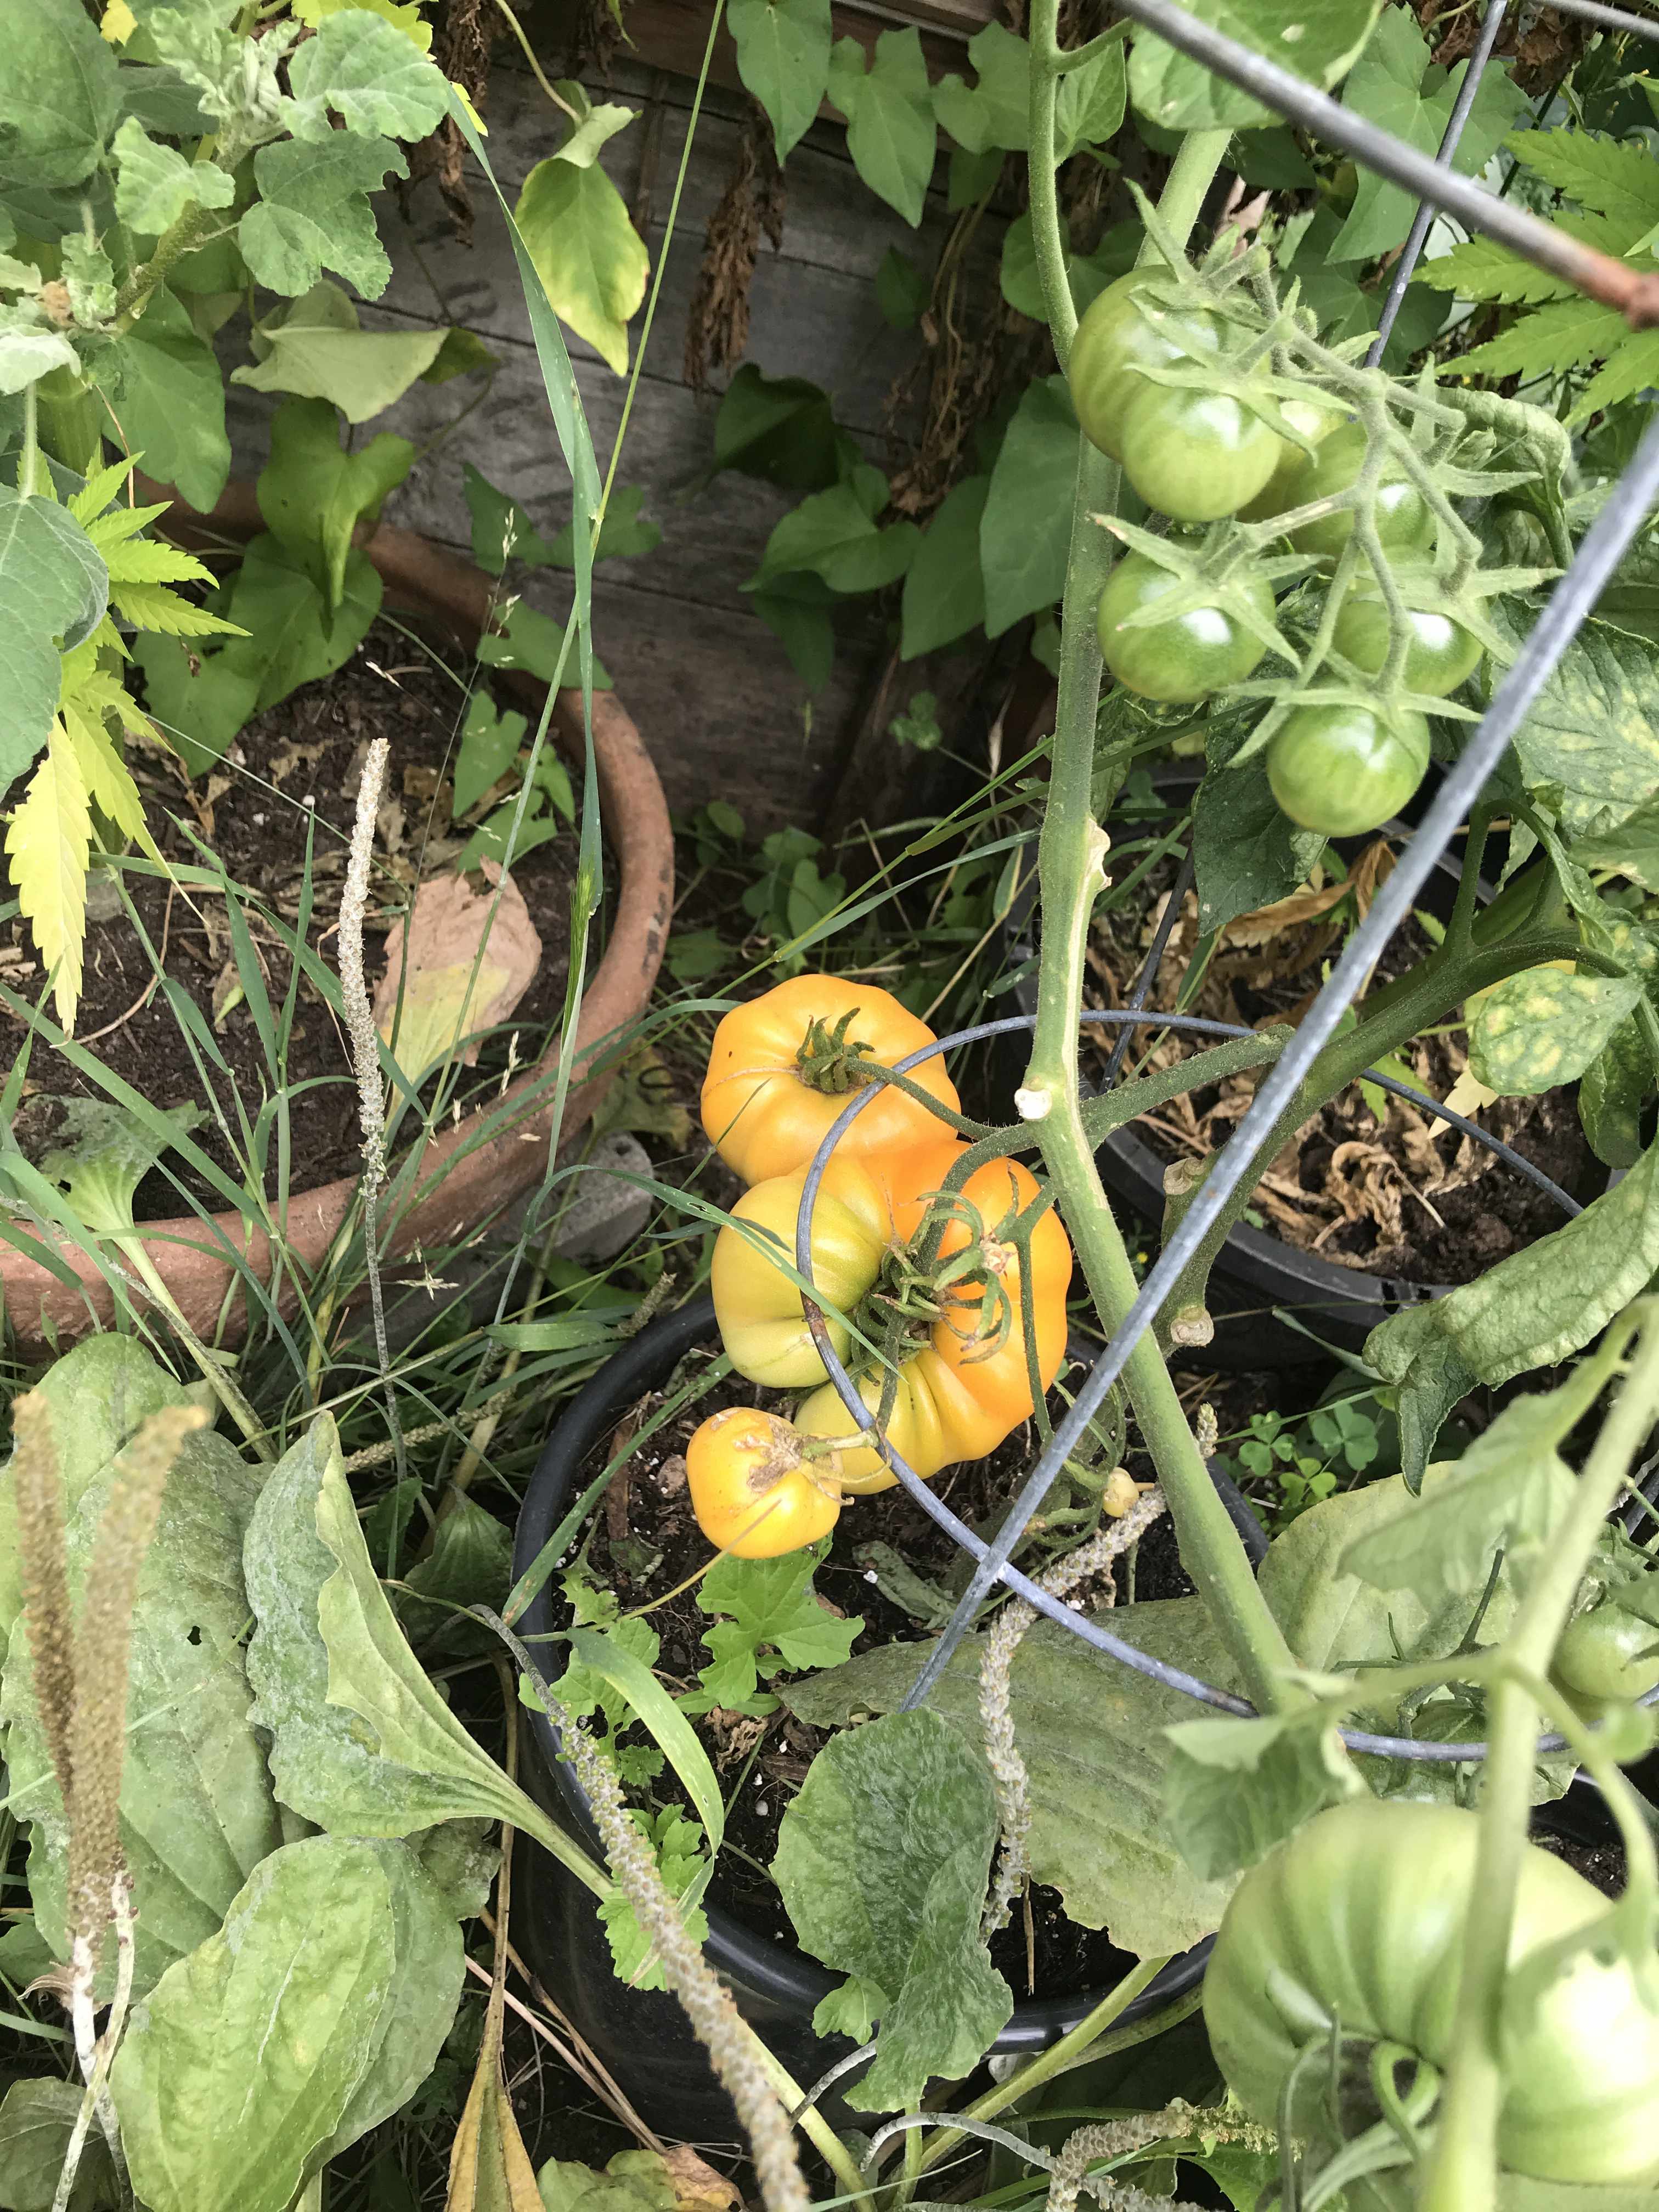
991,1567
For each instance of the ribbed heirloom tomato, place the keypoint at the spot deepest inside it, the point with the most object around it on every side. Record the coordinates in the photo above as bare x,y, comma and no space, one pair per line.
782,1066
1187,657
1358,1918
1345,769
755,1492
966,1386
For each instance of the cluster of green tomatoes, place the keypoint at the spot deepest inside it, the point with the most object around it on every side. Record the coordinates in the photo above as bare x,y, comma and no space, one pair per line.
1206,448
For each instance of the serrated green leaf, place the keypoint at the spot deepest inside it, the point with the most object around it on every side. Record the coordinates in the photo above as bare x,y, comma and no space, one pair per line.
154,184
588,255
369,73
1025,532
883,1859
318,351
313,213
1602,174
766,1620
153,607
783,58
47,844
1544,1027
1563,334
944,587
59,96
1482,269
1320,42
890,131
1616,1087
1632,368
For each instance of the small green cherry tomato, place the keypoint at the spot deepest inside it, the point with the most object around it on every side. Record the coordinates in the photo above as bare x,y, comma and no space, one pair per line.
1189,655
1405,521
1608,1653
1441,653
1196,456
1344,769
1121,333
1358,1919
1314,422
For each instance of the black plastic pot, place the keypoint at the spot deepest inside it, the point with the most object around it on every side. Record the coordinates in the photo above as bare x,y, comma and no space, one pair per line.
642,2035
1256,1274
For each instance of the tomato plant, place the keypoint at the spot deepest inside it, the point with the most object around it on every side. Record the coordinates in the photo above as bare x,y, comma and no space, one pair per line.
1440,653
1127,329
757,1493
1404,521
1608,1653
1195,456
1347,768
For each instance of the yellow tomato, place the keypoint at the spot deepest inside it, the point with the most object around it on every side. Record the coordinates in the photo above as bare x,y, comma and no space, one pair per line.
964,1390
783,1068
755,1493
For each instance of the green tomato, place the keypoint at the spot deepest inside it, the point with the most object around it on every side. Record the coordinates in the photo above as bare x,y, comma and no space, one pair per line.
1121,333
1187,657
1441,654
1359,1917
1196,456
1608,1653
1314,422
1344,769
1405,521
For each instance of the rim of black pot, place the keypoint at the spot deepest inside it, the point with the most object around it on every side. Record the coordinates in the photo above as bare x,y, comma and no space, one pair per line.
764,1966
1334,1298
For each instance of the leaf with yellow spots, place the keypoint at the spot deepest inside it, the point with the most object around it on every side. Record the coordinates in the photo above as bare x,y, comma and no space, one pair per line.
1590,741
1543,1027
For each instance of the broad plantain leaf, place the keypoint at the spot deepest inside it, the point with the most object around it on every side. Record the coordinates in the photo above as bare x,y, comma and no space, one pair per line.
883,1859
36,2120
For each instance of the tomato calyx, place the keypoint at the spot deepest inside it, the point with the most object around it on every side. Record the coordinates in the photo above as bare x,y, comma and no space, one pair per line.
830,1061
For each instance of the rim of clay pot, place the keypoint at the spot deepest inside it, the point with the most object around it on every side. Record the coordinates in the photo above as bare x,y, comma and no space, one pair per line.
202,1259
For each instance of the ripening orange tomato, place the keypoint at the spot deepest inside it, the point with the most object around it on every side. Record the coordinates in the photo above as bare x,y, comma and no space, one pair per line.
755,1492
783,1067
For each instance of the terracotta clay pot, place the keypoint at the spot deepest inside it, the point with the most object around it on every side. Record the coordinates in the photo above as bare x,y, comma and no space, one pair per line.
464,1176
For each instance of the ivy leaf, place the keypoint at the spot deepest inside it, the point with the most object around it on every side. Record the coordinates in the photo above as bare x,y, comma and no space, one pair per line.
502,530
1387,87
313,213
783,58
891,132
830,535
317,351
1544,1027
588,255
372,77
1320,43
1511,1488
488,746
266,2021
1590,741
154,184
535,641
883,1859
312,495
944,588
165,388
1538,1306
1025,531
996,110
625,533
53,588
1234,1788
59,95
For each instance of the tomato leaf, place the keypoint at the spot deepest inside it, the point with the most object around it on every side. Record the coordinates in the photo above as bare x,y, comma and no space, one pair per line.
883,1859
783,58
1099,1833
1590,741
890,117
1025,532
1544,1027
1320,42
1616,1086
1234,1788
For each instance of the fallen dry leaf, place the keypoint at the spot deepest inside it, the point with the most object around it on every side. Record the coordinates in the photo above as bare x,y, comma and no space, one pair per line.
697,2186
431,960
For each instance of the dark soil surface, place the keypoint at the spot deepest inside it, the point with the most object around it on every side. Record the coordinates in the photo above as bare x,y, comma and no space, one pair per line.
1602,1865
288,785
1392,1196
644,1541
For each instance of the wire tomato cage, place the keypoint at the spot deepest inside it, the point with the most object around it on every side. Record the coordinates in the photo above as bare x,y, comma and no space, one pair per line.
1439,190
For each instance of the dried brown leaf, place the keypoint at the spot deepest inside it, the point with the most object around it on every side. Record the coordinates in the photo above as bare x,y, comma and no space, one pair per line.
431,961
